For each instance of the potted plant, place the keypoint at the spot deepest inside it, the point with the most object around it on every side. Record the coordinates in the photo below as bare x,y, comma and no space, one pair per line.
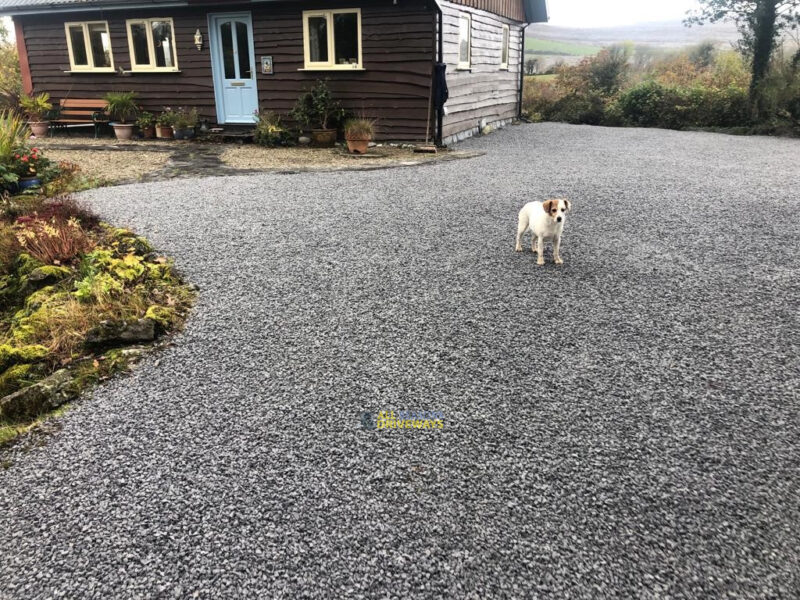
318,111
184,123
164,123
122,106
37,107
147,125
28,165
358,133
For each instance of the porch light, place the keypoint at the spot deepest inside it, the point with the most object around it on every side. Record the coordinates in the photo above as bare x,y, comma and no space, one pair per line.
198,39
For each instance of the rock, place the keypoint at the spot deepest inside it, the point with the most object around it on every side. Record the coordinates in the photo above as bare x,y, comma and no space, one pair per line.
49,393
48,274
10,355
114,333
162,315
486,130
304,140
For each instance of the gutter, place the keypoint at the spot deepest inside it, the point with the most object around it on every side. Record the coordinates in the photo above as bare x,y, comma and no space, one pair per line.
439,59
521,69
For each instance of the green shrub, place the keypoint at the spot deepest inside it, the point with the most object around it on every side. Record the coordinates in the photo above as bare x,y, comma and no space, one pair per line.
577,108
270,131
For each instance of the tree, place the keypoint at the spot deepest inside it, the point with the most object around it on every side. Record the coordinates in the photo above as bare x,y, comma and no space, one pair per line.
760,22
531,66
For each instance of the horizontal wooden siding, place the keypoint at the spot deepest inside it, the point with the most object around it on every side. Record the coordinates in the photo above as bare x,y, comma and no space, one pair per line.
394,88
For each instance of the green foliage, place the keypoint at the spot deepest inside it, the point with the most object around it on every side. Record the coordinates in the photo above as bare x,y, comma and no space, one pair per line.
36,107
10,78
184,118
166,118
701,87
145,120
270,132
10,355
121,105
14,135
317,109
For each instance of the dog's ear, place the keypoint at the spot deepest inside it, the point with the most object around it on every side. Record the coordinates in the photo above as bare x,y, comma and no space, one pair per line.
547,206
567,204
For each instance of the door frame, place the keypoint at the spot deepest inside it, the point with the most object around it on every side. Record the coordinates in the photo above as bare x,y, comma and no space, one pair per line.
218,72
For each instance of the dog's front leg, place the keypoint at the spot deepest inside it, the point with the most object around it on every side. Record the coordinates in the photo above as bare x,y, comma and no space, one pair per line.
540,250
556,248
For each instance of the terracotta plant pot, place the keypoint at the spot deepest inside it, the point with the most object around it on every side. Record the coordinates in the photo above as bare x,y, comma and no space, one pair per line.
164,132
148,132
123,131
39,128
358,145
323,138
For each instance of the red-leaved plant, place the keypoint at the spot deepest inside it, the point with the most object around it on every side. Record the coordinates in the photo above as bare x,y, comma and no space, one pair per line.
52,241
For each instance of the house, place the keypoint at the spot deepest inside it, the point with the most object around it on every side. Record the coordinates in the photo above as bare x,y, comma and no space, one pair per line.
229,58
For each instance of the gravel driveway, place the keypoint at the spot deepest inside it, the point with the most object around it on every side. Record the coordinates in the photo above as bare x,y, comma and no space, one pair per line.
626,425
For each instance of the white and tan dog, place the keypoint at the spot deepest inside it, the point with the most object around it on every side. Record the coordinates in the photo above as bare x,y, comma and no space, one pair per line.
545,221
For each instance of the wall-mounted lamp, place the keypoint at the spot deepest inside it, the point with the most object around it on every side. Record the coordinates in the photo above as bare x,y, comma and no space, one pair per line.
198,39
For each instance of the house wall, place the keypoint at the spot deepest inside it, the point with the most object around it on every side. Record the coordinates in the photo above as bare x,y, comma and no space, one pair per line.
484,93
397,42
511,9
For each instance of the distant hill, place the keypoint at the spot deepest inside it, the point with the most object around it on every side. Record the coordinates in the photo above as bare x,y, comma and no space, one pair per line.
662,33
550,44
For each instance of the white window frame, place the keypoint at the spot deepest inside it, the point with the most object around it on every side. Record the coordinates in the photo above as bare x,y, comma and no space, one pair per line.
506,47
465,65
151,50
88,68
330,64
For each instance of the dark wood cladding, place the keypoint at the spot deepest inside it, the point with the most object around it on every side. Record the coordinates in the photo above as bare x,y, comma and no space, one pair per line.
394,88
511,9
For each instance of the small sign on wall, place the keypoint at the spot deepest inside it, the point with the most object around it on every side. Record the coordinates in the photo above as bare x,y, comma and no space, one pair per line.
266,65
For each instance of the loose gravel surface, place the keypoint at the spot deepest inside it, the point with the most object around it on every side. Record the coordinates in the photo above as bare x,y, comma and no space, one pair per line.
625,425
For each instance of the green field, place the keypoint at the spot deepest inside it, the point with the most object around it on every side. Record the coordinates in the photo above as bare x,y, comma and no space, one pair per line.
535,46
541,77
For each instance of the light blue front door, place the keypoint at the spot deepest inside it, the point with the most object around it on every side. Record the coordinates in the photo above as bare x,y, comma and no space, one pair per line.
233,65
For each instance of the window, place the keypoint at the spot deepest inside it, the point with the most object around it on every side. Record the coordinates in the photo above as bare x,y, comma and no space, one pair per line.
504,48
332,39
89,46
464,41
152,45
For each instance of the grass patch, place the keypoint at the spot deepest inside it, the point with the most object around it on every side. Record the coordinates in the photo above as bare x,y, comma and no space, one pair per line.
537,46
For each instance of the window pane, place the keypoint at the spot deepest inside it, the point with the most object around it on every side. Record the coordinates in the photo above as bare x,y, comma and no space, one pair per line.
463,49
243,48
141,55
100,45
504,58
162,42
318,39
227,50
345,38
78,46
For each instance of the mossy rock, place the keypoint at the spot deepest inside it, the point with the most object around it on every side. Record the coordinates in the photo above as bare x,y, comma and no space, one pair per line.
162,315
10,355
25,265
48,274
125,242
18,376
43,296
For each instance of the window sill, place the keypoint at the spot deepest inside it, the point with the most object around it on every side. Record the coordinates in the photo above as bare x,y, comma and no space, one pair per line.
150,71
91,71
343,69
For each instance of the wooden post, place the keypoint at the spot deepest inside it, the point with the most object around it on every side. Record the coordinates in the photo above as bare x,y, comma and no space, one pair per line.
24,67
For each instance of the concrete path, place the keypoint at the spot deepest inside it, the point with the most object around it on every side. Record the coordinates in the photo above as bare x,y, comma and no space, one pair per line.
626,425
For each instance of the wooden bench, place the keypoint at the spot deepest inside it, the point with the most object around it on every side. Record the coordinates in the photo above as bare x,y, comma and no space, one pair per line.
80,112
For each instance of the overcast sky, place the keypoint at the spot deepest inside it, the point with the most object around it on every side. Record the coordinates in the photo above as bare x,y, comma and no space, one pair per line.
602,13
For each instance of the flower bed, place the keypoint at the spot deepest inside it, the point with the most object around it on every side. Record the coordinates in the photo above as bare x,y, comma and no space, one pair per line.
75,294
